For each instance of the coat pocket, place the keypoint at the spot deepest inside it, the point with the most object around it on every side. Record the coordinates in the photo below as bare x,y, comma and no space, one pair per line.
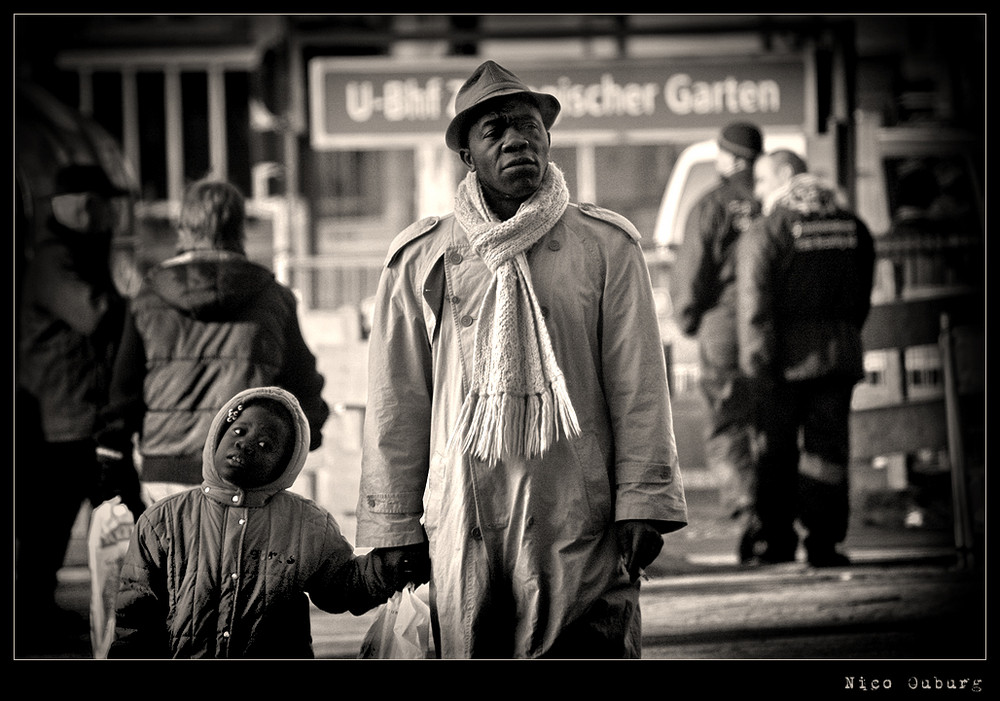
593,469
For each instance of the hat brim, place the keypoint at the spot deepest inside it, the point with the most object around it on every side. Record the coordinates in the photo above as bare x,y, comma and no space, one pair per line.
548,105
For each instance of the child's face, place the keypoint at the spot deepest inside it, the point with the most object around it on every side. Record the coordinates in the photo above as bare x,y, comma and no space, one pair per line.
255,448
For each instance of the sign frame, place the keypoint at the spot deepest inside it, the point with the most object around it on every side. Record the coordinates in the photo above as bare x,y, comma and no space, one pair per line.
388,102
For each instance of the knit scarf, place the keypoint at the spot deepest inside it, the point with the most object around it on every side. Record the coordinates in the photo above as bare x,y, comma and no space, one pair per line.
517,404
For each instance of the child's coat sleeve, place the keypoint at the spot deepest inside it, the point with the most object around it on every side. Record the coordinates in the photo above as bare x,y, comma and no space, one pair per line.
347,582
141,609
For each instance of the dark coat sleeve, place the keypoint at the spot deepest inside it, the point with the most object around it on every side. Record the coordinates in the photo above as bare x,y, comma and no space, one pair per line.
122,416
57,284
300,376
141,608
344,581
694,272
352,586
755,293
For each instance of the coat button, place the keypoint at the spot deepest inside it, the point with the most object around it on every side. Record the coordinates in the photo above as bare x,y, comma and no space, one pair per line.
371,502
554,245
467,320
545,312
456,299
455,257
477,534
236,498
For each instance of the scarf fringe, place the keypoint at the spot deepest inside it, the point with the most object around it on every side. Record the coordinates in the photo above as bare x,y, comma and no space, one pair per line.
518,404
491,426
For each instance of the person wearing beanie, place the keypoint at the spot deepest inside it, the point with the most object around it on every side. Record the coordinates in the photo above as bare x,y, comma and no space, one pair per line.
703,294
741,139
518,425
228,569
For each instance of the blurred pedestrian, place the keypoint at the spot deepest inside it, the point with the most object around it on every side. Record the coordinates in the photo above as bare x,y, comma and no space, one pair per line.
69,321
273,551
204,325
518,427
804,289
703,293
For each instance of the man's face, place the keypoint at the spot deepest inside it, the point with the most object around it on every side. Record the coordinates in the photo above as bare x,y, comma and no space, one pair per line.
255,448
766,178
725,162
509,149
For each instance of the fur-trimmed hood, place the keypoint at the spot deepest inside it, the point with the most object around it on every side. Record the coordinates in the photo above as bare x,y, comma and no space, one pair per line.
209,284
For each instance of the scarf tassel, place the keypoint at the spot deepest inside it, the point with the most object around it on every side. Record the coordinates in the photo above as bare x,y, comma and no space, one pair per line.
493,425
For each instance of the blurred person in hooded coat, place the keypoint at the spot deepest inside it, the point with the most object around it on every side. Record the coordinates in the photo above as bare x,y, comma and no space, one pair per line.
204,325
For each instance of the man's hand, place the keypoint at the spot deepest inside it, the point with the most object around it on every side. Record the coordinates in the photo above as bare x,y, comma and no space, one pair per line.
399,566
640,543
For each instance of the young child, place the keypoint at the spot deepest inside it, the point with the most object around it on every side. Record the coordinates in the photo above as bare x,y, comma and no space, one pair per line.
224,569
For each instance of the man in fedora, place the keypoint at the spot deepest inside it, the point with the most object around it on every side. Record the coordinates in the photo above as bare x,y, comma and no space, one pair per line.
519,436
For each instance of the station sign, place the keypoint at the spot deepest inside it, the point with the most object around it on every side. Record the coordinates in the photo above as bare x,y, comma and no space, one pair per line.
363,102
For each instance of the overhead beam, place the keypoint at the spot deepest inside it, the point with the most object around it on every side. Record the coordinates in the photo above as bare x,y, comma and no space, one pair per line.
353,35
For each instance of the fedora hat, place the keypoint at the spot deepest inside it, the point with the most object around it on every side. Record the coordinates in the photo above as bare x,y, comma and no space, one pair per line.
491,80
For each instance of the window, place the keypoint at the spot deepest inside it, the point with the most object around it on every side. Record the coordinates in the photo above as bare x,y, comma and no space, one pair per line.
939,188
882,384
936,218
924,376
630,180
360,200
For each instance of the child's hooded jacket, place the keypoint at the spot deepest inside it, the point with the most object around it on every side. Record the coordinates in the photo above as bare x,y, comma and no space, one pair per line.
218,571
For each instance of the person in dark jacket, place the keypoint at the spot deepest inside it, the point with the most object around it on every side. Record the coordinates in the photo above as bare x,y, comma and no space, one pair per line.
804,284
703,294
227,569
68,323
204,325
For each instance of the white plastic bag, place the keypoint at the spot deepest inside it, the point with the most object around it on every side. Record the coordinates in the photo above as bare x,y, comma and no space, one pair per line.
401,629
111,526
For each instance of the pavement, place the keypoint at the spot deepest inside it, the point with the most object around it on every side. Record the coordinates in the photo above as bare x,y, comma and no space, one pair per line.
908,594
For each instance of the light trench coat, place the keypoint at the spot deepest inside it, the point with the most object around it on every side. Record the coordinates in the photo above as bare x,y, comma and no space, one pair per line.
524,558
